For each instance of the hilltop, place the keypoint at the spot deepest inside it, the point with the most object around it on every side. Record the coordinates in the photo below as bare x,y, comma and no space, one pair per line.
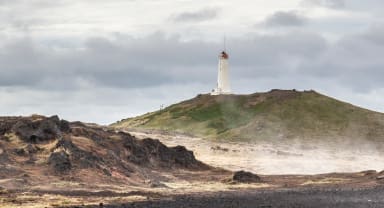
276,115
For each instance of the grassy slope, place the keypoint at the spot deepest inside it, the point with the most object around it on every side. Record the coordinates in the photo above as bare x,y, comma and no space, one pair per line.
278,113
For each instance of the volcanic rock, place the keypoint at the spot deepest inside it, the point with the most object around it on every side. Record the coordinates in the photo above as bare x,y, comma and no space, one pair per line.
86,152
152,152
38,129
60,161
20,151
245,177
27,150
84,159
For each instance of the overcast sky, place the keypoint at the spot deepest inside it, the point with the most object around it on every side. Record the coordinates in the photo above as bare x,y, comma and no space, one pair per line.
104,60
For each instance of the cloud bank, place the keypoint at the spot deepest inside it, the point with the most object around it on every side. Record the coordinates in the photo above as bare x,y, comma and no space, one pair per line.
104,63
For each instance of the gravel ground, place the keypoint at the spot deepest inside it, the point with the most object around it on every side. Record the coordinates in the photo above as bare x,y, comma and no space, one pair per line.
314,198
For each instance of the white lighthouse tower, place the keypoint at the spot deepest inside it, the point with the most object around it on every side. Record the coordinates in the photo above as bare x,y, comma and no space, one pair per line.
223,85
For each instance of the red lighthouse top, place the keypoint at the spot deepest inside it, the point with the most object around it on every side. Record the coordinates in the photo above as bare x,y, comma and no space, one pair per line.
224,55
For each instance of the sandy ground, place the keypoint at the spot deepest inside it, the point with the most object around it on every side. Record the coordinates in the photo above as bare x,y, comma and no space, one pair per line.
314,198
328,190
277,158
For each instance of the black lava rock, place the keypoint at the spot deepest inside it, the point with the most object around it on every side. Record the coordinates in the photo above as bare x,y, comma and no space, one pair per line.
60,161
245,177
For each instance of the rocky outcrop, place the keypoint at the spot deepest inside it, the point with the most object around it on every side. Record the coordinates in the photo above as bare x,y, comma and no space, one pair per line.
34,129
69,147
243,177
29,149
81,158
60,162
152,152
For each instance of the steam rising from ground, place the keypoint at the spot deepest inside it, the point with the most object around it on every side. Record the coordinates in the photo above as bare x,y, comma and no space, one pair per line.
281,158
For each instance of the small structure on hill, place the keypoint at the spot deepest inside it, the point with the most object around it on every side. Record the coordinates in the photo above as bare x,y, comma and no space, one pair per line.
223,85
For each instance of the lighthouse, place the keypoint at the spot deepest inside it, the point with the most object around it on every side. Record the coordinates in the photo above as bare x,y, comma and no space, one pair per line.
223,85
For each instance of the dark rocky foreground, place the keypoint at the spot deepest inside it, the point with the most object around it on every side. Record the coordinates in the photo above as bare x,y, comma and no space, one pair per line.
39,145
314,198
49,162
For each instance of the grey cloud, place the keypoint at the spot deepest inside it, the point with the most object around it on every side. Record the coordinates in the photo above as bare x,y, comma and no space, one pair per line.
196,16
355,61
285,19
60,69
130,63
17,62
22,15
160,65
278,49
375,35
123,62
334,4
127,62
37,3
9,2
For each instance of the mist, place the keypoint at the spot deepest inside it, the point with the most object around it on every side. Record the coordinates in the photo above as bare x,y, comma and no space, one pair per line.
282,157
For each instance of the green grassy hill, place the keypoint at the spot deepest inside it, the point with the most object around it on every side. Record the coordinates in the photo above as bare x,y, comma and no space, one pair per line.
281,114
